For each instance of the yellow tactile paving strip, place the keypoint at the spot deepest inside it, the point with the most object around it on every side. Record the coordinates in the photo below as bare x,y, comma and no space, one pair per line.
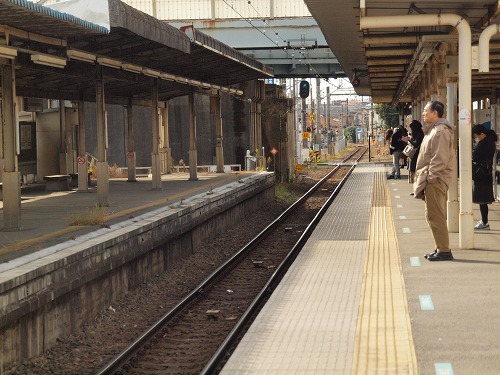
384,343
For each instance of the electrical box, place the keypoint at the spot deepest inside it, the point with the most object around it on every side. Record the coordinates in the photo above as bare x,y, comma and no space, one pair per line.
451,66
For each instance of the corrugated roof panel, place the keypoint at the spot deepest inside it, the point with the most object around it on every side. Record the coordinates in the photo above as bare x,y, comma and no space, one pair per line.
55,14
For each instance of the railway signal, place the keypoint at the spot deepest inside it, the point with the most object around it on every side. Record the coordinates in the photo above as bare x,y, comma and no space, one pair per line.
304,89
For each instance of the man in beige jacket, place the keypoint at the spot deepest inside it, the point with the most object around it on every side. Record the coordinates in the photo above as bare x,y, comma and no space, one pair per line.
433,176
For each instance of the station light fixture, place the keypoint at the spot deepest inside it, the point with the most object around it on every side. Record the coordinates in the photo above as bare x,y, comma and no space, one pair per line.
132,68
151,73
168,77
181,79
112,63
194,82
8,52
48,60
74,54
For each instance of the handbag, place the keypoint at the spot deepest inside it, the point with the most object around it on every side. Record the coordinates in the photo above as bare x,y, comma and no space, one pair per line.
409,151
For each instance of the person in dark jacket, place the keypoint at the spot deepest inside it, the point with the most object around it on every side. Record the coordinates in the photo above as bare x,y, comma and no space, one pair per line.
398,144
482,171
417,136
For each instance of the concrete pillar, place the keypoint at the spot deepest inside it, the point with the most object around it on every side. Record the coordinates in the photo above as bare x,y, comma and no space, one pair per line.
131,155
215,111
155,156
11,188
193,156
63,156
256,118
82,152
253,124
102,163
258,115
167,151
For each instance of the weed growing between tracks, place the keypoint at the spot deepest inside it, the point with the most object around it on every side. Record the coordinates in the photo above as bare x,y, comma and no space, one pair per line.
283,193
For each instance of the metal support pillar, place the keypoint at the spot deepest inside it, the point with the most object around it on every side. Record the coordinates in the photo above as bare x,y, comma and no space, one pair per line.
155,156
10,177
102,163
63,146
193,162
167,151
215,111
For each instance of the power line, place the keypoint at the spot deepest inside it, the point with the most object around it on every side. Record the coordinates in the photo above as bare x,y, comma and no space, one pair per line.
307,64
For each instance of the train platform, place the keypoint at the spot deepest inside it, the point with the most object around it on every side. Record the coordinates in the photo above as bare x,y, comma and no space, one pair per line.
362,299
46,215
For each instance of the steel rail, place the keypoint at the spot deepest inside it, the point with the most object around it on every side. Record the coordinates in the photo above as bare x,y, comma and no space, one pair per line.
131,350
212,366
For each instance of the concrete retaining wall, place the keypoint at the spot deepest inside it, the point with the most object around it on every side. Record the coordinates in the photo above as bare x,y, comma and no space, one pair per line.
49,294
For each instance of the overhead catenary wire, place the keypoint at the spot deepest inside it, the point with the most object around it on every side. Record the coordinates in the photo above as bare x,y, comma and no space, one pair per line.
249,21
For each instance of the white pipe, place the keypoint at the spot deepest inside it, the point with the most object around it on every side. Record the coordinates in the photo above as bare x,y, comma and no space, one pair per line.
466,227
453,208
484,47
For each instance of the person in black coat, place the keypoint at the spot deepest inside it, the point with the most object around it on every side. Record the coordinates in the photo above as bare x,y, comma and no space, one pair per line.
399,140
482,171
417,136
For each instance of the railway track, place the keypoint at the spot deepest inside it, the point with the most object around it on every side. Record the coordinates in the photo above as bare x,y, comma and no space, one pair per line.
201,330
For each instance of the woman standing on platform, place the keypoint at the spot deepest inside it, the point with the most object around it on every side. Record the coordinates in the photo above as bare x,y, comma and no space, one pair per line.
482,171
417,136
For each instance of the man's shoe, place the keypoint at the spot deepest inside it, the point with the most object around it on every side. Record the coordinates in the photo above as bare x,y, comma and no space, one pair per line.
390,177
481,226
398,177
440,256
426,256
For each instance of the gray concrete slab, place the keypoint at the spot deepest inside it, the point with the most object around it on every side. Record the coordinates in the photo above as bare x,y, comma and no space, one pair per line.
464,327
415,316
45,215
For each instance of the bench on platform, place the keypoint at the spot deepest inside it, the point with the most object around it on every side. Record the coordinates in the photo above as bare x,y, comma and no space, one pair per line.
74,180
143,171
208,168
57,182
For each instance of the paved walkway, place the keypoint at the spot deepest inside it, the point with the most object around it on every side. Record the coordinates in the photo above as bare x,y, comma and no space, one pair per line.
361,299
454,306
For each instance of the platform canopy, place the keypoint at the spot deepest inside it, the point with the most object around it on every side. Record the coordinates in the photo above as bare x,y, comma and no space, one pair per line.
58,54
384,58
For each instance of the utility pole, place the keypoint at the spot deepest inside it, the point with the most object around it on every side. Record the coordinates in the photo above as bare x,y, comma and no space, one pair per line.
328,107
318,105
